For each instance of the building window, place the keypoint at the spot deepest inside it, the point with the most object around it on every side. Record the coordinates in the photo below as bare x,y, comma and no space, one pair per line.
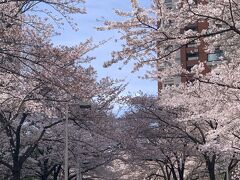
168,82
168,1
154,125
192,56
169,4
192,27
168,85
216,56
178,56
192,44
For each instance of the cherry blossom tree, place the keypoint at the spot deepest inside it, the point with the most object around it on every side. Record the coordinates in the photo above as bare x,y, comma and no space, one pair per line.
88,149
211,121
38,81
157,137
181,137
154,35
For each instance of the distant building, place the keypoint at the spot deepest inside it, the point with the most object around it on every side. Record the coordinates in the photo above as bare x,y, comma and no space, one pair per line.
191,54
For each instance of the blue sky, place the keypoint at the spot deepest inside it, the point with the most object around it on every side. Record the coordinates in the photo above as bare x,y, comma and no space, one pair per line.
98,10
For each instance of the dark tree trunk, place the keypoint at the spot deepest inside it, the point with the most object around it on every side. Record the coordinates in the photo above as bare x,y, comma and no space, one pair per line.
44,177
181,170
17,163
210,163
181,174
173,172
45,172
16,173
166,172
56,172
16,169
168,176
211,172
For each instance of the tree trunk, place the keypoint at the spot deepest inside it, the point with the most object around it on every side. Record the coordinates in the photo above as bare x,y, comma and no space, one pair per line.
16,174
211,174
211,170
44,177
56,172
181,170
226,177
181,174
168,172
174,175
210,164
45,171
16,169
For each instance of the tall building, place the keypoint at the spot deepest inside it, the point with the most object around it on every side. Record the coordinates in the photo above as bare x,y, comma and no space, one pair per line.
191,54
